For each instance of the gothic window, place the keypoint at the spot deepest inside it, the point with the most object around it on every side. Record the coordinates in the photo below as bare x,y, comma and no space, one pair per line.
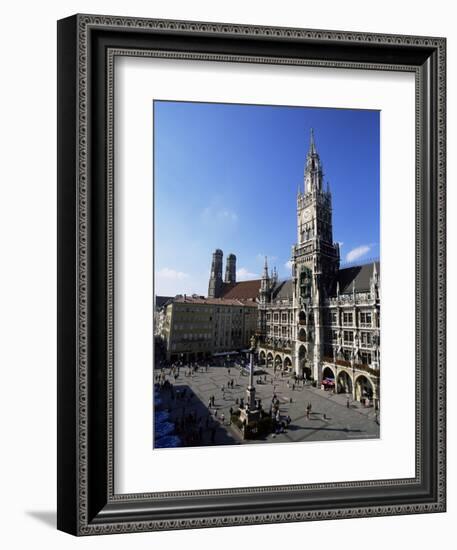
348,336
365,318
366,357
347,318
365,338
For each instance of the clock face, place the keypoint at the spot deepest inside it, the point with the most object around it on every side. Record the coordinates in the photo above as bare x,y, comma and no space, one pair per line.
307,216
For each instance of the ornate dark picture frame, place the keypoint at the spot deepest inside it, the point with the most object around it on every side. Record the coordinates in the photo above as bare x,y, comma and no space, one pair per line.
87,46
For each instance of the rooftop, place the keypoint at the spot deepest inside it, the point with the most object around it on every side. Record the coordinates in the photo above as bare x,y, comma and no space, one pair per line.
244,290
212,301
358,275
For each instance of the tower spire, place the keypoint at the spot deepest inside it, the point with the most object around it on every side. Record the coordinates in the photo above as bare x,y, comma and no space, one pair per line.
265,269
264,283
313,168
312,145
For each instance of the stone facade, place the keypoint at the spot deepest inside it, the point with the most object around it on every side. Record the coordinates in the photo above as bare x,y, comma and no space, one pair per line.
196,327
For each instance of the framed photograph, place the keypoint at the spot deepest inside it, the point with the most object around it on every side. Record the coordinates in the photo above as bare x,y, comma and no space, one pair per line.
251,274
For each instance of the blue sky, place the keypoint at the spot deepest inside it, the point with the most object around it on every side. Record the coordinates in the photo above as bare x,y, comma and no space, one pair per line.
226,176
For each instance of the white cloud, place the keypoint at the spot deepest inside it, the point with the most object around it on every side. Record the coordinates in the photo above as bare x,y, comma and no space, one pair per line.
357,252
288,265
171,274
212,213
228,215
243,274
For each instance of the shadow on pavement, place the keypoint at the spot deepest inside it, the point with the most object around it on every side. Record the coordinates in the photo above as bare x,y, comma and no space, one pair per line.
194,424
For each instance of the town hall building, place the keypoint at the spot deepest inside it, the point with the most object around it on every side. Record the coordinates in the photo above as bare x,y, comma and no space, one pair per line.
324,322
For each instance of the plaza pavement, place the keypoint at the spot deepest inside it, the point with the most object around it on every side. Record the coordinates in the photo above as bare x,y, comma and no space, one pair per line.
330,418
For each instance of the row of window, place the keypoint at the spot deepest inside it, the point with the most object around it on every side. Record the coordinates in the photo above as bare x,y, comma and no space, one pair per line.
283,331
365,318
185,347
190,326
286,317
195,336
365,356
348,337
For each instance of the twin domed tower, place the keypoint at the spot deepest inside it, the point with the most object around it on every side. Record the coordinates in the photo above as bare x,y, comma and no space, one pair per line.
216,283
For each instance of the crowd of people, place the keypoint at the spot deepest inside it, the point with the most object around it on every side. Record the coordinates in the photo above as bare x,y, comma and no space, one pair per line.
202,427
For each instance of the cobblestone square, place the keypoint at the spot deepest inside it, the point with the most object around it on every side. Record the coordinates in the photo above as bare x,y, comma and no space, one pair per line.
332,417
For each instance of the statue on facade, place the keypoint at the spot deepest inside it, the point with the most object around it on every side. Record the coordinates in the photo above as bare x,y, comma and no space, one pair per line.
253,342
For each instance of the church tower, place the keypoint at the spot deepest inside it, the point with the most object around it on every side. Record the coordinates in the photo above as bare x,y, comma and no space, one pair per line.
215,280
315,262
230,269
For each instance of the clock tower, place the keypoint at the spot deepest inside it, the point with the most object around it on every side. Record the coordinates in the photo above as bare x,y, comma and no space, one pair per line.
315,248
315,261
